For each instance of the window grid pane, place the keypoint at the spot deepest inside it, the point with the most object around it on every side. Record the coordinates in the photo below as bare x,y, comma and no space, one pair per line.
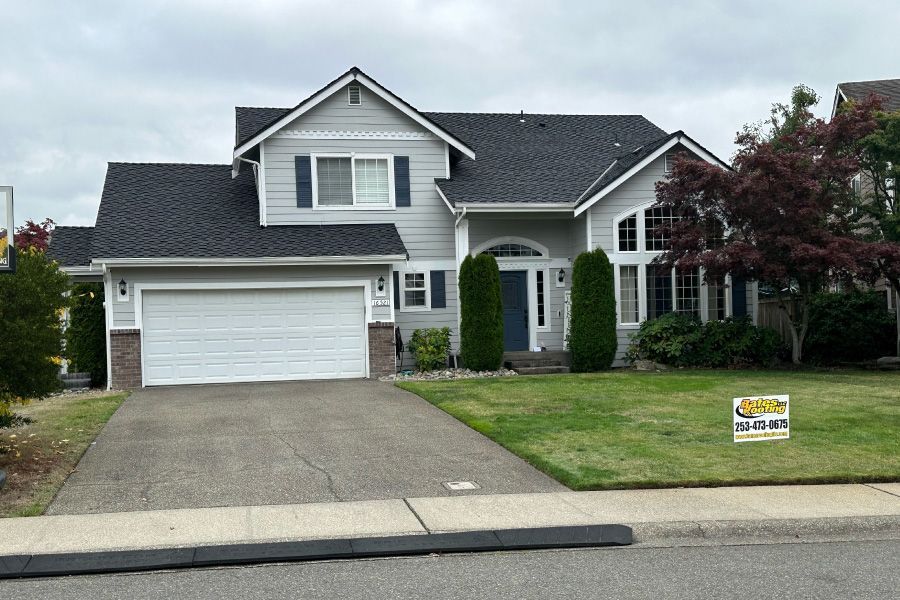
628,293
715,300
372,185
628,234
540,298
687,293
414,289
334,181
659,292
657,216
507,250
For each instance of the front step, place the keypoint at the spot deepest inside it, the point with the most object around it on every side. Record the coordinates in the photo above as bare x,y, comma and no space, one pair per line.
536,363
549,370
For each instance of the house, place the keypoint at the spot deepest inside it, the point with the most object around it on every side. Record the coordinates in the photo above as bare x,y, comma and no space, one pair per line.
349,214
889,91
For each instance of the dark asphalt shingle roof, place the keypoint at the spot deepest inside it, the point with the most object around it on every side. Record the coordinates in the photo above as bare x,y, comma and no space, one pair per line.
888,88
71,246
250,120
548,158
199,211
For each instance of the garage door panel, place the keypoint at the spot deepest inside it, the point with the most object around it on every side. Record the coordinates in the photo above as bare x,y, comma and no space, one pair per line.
205,336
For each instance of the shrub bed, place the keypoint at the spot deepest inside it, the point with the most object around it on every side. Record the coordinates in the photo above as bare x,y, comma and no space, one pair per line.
430,347
683,341
849,327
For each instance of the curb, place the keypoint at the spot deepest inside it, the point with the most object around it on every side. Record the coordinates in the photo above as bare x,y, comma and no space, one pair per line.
750,531
82,563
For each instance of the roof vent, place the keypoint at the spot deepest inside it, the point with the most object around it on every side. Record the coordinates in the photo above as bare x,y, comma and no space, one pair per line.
354,97
521,116
542,125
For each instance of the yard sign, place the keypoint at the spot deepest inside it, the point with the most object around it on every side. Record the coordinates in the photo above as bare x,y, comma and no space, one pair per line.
759,418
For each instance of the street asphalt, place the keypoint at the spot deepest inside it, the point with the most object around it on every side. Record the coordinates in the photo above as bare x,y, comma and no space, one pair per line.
824,571
284,443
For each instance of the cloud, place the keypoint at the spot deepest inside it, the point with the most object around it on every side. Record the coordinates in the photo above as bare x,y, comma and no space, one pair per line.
86,83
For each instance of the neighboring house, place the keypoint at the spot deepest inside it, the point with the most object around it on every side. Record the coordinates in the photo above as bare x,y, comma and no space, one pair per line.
889,91
350,213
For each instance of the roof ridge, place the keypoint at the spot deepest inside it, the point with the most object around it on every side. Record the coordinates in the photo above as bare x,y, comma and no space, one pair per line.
517,114
73,227
168,164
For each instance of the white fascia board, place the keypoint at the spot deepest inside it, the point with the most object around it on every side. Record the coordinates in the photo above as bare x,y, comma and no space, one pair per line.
305,106
372,86
605,171
250,262
839,97
681,139
444,198
561,207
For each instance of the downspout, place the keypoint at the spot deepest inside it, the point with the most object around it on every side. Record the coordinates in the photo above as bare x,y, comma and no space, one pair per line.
107,313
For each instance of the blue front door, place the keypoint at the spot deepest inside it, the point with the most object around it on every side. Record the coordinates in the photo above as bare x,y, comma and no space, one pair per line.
515,310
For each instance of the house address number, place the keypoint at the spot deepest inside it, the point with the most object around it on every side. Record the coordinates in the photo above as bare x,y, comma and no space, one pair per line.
381,302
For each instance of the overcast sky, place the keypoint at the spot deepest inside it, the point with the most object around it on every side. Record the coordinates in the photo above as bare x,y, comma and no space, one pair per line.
84,83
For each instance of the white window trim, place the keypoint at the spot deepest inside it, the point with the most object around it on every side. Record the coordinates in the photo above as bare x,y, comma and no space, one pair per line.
427,282
642,316
616,223
512,239
392,204
532,274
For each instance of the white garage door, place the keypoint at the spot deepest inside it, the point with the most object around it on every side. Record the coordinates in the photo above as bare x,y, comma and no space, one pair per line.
217,336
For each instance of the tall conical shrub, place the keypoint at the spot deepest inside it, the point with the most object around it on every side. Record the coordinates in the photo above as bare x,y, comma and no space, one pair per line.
592,326
481,307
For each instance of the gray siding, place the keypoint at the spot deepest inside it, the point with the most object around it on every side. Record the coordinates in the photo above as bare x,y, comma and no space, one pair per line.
409,321
427,226
123,312
579,237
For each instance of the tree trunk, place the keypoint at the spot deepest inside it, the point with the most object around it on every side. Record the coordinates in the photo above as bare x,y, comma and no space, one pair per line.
896,292
795,338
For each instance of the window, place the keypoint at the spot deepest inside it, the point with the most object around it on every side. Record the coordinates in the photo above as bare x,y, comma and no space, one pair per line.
629,303
628,234
715,301
856,185
541,307
657,217
511,250
687,293
353,181
669,161
415,292
659,292
354,98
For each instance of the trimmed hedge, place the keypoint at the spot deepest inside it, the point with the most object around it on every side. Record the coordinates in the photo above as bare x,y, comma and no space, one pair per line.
849,327
86,333
481,307
683,341
592,327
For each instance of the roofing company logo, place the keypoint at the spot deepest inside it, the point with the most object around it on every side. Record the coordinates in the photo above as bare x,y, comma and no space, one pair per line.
753,408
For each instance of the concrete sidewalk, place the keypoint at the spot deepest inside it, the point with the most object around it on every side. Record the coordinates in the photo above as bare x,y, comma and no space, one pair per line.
649,512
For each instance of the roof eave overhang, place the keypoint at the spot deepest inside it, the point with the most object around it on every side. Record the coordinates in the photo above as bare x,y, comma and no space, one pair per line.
682,139
383,93
555,207
248,261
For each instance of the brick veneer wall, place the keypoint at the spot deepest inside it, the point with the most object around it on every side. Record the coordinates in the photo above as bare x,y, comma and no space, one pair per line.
125,358
381,350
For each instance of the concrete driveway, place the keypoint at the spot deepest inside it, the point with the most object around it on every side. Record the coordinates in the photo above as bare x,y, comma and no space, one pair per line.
284,443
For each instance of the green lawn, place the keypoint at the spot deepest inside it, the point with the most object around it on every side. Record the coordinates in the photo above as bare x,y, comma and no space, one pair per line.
38,457
627,429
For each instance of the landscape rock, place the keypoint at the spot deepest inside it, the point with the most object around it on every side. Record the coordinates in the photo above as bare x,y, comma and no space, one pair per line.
446,374
888,363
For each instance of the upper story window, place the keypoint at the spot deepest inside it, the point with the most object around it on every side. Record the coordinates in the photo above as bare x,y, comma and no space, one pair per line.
628,234
354,95
656,219
347,181
511,250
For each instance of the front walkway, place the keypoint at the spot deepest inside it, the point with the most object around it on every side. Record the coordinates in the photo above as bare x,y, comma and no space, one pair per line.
284,443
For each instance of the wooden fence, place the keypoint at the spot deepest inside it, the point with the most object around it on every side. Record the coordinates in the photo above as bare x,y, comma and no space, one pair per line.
769,315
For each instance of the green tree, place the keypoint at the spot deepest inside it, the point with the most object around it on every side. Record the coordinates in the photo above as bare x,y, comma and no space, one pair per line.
592,328
86,333
877,205
31,304
481,307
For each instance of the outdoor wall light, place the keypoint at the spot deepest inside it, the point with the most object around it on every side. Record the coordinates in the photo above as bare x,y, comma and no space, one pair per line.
123,288
380,284
560,276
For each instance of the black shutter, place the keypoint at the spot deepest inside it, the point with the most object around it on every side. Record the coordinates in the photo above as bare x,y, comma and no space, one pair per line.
738,297
438,290
396,289
304,181
401,180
